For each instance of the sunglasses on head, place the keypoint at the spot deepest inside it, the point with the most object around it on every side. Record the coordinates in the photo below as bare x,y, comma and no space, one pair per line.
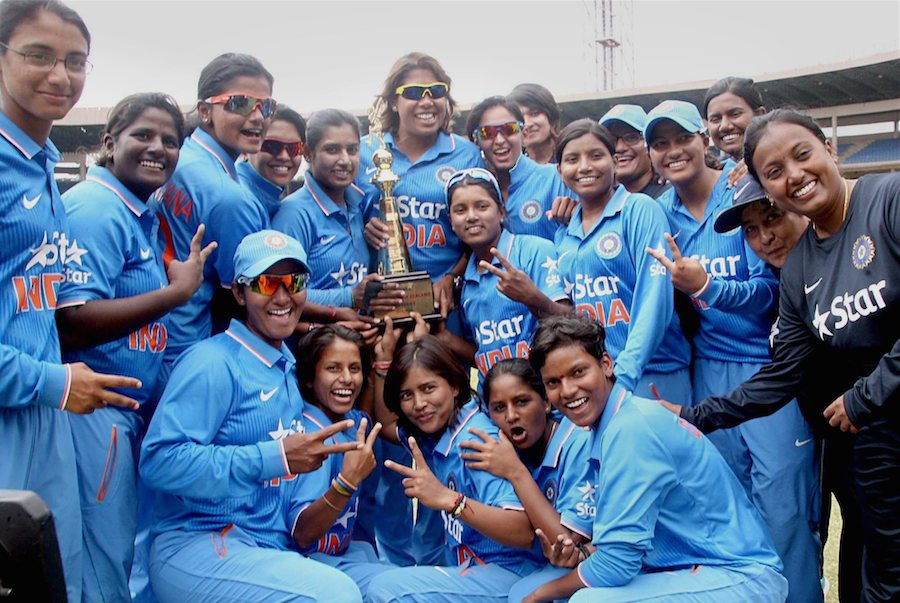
417,91
474,174
489,132
244,104
273,147
267,284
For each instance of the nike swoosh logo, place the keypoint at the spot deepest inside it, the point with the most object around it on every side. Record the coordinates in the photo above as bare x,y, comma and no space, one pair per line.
800,443
326,240
145,254
738,193
30,203
264,396
675,236
807,289
371,170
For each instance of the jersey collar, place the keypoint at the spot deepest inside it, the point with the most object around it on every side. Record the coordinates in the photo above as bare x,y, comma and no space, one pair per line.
445,444
504,245
211,146
445,143
257,178
555,446
613,206
23,142
352,196
717,201
105,178
258,348
519,173
617,396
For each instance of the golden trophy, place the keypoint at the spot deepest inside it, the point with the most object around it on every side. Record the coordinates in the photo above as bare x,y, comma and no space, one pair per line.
393,260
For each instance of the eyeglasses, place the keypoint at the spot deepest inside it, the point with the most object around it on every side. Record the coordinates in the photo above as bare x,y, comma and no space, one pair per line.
244,104
273,147
267,284
76,64
489,132
630,138
417,91
475,174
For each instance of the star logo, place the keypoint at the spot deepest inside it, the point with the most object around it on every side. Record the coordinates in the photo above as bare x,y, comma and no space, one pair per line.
340,275
344,519
281,432
818,323
587,491
75,253
569,286
552,264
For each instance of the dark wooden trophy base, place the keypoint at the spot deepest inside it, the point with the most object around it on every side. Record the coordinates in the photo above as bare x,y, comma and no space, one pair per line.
419,297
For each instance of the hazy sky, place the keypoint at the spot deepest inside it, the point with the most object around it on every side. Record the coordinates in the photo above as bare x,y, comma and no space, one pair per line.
337,53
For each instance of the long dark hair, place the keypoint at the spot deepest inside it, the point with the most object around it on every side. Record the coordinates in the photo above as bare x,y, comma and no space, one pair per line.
131,108
579,128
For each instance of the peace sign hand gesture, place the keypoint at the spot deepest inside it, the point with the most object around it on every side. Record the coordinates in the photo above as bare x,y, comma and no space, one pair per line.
514,283
421,483
305,452
358,464
187,276
688,275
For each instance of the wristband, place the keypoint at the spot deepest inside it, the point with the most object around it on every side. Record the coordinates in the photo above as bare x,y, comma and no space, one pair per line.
330,504
346,483
460,507
340,489
702,289
381,365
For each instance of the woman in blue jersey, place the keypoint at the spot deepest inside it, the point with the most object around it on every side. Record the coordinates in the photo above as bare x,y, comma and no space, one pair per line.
734,294
326,216
672,524
225,439
604,270
424,400
541,115
267,173
43,67
529,189
234,107
545,460
521,268
111,315
325,505
728,107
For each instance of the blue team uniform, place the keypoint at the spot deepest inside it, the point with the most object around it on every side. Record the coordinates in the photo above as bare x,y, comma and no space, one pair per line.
674,523
774,457
337,547
611,279
500,327
332,236
214,453
266,193
532,189
485,569
204,190
433,247
117,232
38,252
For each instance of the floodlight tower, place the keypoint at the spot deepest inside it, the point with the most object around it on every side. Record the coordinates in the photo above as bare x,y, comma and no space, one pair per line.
612,24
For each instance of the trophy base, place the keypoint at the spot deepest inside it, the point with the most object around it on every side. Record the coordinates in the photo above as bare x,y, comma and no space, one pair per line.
419,297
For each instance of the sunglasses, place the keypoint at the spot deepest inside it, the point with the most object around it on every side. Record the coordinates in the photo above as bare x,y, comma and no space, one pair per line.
417,91
267,284
273,147
490,132
244,104
631,137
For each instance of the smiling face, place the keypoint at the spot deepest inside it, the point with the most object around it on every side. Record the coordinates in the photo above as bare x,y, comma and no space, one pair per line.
338,378
427,400
578,385
518,410
798,171
422,118
281,168
334,162
33,97
586,167
274,318
632,159
677,155
537,127
145,153
476,218
771,232
235,132
501,152
727,116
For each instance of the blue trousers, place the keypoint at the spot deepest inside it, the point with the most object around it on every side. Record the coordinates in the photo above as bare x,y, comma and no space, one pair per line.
775,459
705,584
529,584
107,445
435,584
188,567
359,561
39,456
674,387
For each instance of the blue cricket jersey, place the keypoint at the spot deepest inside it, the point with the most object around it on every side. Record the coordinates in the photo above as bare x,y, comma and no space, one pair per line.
532,189
117,232
332,235
736,309
204,190
214,451
38,253
612,279
669,500
266,193
309,487
433,247
500,327
466,544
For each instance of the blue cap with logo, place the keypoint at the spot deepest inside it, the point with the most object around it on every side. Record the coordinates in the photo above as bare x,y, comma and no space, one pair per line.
682,113
746,192
630,115
258,251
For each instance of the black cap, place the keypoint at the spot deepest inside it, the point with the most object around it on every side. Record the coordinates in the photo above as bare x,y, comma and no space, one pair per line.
746,191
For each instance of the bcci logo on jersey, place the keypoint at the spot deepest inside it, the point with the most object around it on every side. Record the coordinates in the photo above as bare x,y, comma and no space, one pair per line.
609,245
530,211
550,490
444,172
863,252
